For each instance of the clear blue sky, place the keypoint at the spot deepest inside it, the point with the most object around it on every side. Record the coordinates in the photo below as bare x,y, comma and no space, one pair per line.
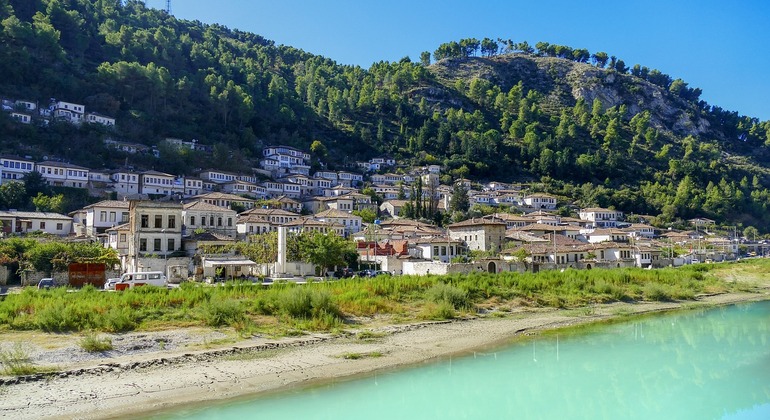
718,46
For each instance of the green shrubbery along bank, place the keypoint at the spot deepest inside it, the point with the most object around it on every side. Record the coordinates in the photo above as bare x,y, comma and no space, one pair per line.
288,308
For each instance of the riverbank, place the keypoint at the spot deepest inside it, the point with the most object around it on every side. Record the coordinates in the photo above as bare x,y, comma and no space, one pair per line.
199,366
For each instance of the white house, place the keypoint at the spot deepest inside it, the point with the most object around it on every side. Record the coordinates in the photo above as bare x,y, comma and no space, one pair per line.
154,182
21,117
125,182
601,217
192,186
218,177
28,221
224,200
96,218
96,118
68,111
201,215
541,201
62,174
350,222
14,168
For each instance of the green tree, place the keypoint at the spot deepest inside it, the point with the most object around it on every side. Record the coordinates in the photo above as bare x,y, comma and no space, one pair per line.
13,195
318,149
327,250
45,203
460,201
425,58
367,215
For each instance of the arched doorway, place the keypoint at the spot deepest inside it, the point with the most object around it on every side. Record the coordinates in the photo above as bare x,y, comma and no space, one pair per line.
588,266
492,267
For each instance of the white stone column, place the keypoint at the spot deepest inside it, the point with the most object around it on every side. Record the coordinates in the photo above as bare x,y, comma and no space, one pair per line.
280,265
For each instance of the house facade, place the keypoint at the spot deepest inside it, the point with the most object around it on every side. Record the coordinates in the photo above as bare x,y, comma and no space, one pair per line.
200,215
479,234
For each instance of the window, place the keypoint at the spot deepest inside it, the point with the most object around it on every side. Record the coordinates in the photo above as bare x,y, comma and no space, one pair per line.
103,216
158,221
192,220
122,237
124,217
229,222
156,244
143,245
203,220
172,222
59,226
42,225
145,221
219,221
113,216
211,221
170,245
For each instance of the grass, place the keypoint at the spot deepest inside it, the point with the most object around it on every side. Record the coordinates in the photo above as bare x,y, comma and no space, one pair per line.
370,335
289,309
93,344
357,356
16,362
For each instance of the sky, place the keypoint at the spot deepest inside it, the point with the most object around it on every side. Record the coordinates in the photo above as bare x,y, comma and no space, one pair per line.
718,46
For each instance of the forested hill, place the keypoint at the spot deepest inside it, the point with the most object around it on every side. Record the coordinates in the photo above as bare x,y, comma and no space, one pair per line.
582,125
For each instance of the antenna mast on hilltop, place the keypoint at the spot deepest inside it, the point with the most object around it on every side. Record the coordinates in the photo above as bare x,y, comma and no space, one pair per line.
168,6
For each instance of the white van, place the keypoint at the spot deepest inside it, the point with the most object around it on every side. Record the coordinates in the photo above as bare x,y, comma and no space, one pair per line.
147,278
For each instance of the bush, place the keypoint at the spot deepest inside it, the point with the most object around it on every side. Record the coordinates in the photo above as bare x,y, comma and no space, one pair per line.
307,302
224,312
91,343
16,361
446,293
440,311
119,320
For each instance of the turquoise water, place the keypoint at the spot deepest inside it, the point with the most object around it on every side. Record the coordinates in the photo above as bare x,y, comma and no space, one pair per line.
707,364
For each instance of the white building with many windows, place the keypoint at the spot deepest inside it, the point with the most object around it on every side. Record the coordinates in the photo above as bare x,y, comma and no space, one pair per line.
96,218
14,168
61,174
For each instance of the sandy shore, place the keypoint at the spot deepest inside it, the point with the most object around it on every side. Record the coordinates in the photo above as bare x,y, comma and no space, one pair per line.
110,387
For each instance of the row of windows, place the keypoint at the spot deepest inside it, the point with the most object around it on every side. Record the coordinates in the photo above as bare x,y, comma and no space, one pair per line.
156,245
158,221
211,221
59,226
153,180
17,165
113,216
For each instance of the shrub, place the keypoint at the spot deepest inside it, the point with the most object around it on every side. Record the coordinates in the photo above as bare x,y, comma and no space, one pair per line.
224,312
307,302
438,311
16,361
653,291
119,320
446,293
91,343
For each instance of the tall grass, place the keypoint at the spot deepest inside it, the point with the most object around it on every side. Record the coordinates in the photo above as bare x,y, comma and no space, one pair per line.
323,306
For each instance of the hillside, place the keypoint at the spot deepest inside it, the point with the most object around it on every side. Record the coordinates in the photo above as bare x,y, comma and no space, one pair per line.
595,134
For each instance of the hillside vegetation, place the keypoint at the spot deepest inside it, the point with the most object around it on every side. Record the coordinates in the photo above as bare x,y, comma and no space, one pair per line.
583,126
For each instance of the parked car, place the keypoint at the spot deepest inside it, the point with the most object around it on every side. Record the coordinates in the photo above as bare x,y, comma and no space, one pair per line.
344,273
109,284
46,283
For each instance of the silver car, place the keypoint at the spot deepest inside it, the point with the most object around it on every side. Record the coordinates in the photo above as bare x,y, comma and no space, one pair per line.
110,283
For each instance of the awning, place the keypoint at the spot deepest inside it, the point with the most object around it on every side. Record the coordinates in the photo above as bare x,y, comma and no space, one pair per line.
217,262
